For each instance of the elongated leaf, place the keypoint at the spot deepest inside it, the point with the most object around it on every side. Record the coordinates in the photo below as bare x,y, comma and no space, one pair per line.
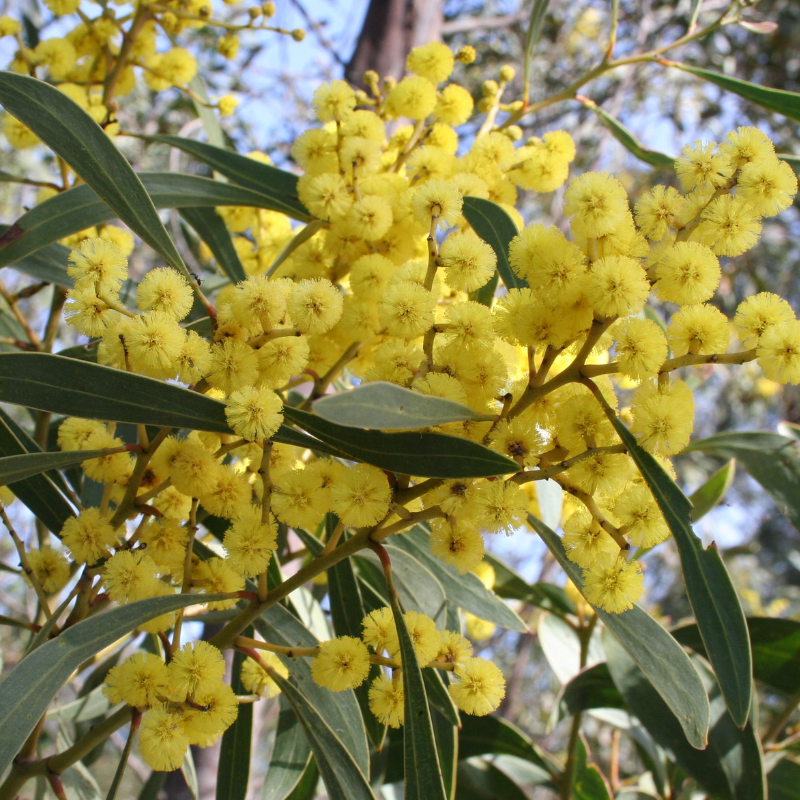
776,650
712,596
120,772
209,116
277,184
651,647
46,264
493,224
94,704
773,460
18,468
343,779
72,133
694,14
211,229
712,491
550,499
589,784
784,780
38,492
423,775
306,788
234,757
479,779
290,756
626,138
777,100
430,455
386,406
466,591
446,735
485,295
436,683
731,767
538,11
79,208
27,690
590,688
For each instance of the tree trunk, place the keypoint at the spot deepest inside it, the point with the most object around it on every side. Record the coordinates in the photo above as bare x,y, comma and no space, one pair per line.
391,29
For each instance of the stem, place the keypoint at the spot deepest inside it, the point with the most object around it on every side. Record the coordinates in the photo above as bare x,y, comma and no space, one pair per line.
289,652
321,384
186,584
714,358
128,39
26,565
549,472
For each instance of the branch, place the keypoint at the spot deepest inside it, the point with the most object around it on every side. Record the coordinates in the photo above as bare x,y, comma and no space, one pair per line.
468,24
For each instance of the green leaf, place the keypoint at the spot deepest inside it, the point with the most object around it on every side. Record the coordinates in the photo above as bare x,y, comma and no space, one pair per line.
446,735
233,771
661,659
562,647
79,208
538,11
69,131
208,115
711,594
776,650
783,780
27,690
211,229
290,759
423,775
626,138
777,100
712,491
477,779
94,704
306,788
386,406
277,184
48,264
589,784
773,460
436,683
485,295
730,767
39,492
694,14
429,455
123,762
343,778
494,225
466,591
590,688
18,468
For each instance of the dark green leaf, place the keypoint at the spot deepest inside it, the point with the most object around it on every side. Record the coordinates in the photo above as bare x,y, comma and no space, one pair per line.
652,648
485,295
27,690
211,229
493,224
628,140
277,184
590,688
19,468
783,780
730,767
712,491
79,208
343,778
436,683
773,460
477,779
776,650
82,352
233,771
588,784
68,130
777,100
446,735
466,591
290,759
538,11
423,775
429,455
386,406
94,704
306,788
712,596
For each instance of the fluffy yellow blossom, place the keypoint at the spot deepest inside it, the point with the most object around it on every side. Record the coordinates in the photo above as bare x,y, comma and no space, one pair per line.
362,495
254,414
613,584
456,544
49,566
88,536
165,290
342,663
257,680
758,313
139,681
479,686
250,542
387,700
687,272
194,670
779,352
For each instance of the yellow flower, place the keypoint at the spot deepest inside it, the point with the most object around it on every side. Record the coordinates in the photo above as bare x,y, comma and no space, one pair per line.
62,7
687,272
454,648
637,511
194,360
342,663
546,259
454,105
369,218
758,313
99,263
387,700
433,61
129,576
596,203
768,185
458,545
479,686
519,440
617,286
19,136
379,630
297,500
315,306
217,576
249,542
165,290
584,540
154,342
88,536
139,681
214,711
779,352
700,330
468,261
746,144
228,494
162,740
437,199
49,566
192,469
613,584
254,414
9,26
699,167
361,497
477,628
414,97
663,416
369,275
166,541
424,637
407,309
257,680
58,55
234,364
194,670
641,348
333,101
658,210
227,104
326,196
729,226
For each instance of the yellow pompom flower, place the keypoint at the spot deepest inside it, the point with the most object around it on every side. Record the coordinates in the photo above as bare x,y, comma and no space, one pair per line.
315,151
379,631
88,536
581,423
315,306
613,584
424,636
658,210
545,258
9,26
414,97
176,67
192,469
154,342
227,104
19,136
663,416
454,648
58,55
701,166
333,101
729,226
326,196
700,330
364,124
282,359
162,741
686,273
758,313
140,681
637,511
461,546
250,542
342,663
601,473
49,566
259,297
75,432
478,629
584,540
215,710
617,286
387,700
257,680
297,500
641,348
433,61
746,144
98,263
468,261
362,495
229,493
769,185
195,669
779,352
454,105
165,290
254,414
519,440
165,540
498,506
369,275
438,200
596,203
194,360
407,309
479,686
369,218
129,576
538,169
62,7
233,364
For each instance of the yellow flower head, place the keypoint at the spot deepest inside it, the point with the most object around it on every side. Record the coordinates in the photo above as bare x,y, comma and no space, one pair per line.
437,200
433,61
234,364
254,414
139,681
584,540
249,542
257,680
596,203
617,286
729,225
98,263
658,210
195,669
700,330
663,415
637,511
88,536
229,493
58,55
746,144
327,196
779,352
165,290
701,166
333,101
298,501
687,272
129,576
342,663
454,105
214,711
49,566
379,630
769,185
414,97
613,584
162,740
154,342
479,686
641,348
758,313
387,700
315,306
468,261
362,495
461,546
